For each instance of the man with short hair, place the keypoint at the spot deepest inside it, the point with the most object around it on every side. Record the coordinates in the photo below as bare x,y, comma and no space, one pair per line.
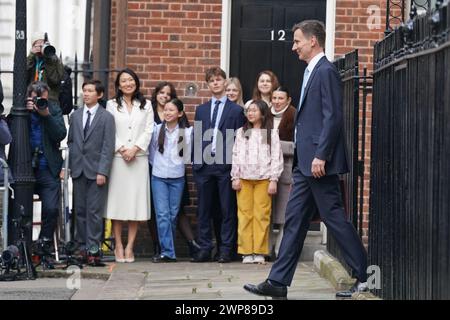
212,166
91,141
47,130
321,156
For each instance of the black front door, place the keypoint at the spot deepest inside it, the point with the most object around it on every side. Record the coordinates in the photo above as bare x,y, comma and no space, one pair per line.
261,39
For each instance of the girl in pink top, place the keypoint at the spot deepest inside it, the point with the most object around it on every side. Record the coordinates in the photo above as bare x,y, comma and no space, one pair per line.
257,165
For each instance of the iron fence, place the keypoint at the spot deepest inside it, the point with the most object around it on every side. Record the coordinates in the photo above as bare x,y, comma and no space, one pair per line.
409,219
356,86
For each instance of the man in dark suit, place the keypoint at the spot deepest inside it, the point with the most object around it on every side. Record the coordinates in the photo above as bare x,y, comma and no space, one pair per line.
321,156
91,144
216,120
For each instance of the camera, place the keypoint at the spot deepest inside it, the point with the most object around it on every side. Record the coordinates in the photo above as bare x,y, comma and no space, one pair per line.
36,157
47,49
41,103
9,256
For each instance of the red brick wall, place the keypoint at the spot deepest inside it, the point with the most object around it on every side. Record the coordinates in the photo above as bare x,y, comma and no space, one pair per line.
177,40
174,41
171,40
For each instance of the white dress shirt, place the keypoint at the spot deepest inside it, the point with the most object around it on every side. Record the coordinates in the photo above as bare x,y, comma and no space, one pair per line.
169,164
92,110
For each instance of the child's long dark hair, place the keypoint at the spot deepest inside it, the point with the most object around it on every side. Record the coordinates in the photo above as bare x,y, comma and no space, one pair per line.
137,93
266,121
183,123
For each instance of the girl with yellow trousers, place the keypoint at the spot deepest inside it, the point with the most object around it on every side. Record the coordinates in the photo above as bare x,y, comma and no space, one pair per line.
257,165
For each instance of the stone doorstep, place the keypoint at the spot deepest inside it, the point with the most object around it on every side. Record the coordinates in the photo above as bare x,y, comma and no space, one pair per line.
331,269
66,274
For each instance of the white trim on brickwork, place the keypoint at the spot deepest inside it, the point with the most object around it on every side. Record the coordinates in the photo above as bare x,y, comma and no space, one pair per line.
330,29
225,36
329,52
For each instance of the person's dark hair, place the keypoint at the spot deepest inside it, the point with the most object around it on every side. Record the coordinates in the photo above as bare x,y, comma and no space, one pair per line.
273,78
283,89
99,87
158,88
183,123
266,121
312,28
137,95
38,87
215,72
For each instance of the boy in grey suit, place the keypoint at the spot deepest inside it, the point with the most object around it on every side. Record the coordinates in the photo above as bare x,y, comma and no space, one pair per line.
91,149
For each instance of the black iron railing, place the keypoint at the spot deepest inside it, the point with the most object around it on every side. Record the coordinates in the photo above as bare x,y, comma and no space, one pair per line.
355,87
409,219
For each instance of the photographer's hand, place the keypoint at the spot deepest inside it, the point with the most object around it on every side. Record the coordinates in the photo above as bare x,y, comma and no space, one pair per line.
30,104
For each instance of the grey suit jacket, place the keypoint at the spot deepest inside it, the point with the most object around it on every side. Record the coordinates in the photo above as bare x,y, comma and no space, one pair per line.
94,153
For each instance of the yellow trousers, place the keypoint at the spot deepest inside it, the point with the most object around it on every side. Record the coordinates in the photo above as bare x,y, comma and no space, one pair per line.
254,205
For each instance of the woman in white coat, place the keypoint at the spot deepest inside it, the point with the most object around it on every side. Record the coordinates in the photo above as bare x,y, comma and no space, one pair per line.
129,185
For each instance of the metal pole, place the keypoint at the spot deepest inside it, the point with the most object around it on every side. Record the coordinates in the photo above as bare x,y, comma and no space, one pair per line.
19,152
87,39
5,202
388,9
66,211
102,27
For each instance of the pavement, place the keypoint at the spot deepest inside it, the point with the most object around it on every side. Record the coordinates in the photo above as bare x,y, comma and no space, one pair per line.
182,280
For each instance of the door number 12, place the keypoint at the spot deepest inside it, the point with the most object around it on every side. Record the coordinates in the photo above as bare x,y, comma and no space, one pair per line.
281,35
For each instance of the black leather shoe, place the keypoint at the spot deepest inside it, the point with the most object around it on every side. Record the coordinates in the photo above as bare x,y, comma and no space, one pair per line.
193,248
267,289
163,259
224,258
156,249
357,287
202,256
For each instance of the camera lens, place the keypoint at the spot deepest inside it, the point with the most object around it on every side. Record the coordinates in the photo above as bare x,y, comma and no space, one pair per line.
41,103
49,50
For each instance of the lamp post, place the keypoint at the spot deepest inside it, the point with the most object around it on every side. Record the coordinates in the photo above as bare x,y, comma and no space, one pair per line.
19,153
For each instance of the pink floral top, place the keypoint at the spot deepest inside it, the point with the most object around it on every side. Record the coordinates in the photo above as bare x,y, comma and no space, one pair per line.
252,157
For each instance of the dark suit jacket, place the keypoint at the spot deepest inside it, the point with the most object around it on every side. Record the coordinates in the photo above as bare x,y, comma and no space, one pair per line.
94,153
319,122
232,119
53,132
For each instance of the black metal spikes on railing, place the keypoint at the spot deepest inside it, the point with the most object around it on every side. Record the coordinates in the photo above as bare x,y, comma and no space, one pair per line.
417,34
396,11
